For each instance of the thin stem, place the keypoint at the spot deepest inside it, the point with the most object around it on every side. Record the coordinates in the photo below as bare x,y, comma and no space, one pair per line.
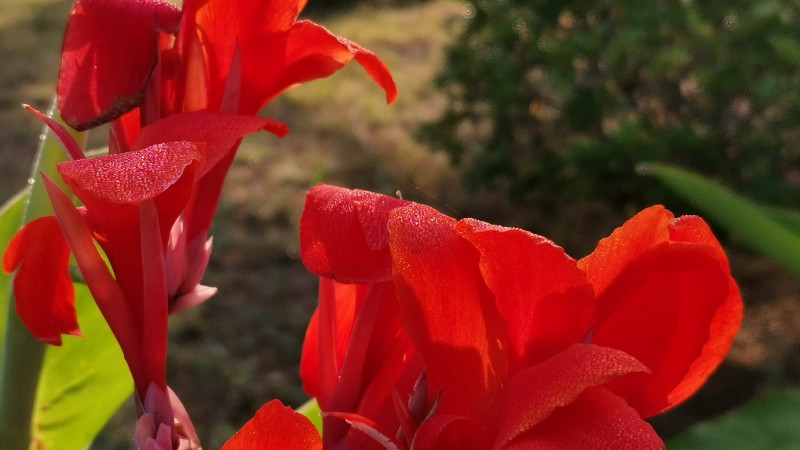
23,355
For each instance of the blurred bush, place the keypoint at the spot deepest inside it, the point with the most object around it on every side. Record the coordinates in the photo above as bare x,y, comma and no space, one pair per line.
554,101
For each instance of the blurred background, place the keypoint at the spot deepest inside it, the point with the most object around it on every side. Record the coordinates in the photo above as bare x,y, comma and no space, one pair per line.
523,113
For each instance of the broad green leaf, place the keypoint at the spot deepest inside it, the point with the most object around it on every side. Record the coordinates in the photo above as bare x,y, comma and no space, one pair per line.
771,421
740,217
82,384
311,410
10,221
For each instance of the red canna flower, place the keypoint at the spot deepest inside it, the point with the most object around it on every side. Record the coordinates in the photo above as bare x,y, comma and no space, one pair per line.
519,345
140,62
131,202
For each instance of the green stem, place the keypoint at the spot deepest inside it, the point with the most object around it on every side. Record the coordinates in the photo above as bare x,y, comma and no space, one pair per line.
22,354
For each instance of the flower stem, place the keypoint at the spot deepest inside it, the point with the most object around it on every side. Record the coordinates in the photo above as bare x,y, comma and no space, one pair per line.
22,361
23,355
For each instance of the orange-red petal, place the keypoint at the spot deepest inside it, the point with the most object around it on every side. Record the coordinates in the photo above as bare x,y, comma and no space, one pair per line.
43,291
544,298
343,234
276,427
534,393
596,420
310,52
665,296
447,310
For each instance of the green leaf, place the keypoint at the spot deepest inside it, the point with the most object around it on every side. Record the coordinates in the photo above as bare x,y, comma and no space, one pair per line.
82,384
790,219
771,421
10,221
311,410
740,217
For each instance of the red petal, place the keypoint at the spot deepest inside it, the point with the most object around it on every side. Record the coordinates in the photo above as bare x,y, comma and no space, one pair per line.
665,296
366,426
596,420
311,52
447,310
221,132
154,326
131,177
326,343
110,49
535,392
448,432
44,295
616,252
276,427
216,26
544,298
343,234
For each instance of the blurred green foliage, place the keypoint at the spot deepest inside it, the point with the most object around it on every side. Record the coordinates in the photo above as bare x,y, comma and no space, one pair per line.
556,101
768,422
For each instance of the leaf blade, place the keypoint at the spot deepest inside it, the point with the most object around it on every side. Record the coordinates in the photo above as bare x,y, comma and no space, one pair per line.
82,383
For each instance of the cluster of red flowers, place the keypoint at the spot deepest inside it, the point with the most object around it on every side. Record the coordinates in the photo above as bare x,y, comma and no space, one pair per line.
181,88
431,333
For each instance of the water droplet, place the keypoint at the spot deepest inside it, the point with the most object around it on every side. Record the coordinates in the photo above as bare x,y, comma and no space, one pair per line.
730,22
468,11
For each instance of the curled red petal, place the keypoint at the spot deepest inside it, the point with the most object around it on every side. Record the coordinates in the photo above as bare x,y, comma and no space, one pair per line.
544,298
130,177
343,234
447,310
62,135
534,393
43,291
110,50
311,52
276,427
217,27
665,296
